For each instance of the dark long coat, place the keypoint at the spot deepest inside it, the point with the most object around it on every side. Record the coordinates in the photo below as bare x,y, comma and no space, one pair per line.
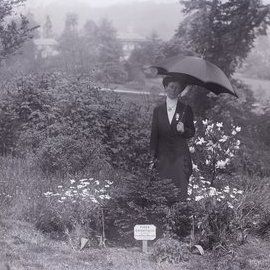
169,147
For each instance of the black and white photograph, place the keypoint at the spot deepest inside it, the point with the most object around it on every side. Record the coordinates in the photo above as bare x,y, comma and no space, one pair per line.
134,134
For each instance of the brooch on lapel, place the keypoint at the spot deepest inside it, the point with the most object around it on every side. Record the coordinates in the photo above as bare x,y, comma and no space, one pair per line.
177,117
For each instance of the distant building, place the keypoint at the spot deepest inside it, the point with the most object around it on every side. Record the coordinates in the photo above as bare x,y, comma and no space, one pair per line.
46,47
130,41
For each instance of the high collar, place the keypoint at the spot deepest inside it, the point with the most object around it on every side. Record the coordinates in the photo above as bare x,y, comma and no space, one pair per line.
171,102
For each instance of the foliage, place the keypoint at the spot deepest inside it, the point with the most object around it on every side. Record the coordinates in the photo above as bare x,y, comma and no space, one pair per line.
14,33
170,250
223,31
139,199
257,63
96,48
148,53
48,28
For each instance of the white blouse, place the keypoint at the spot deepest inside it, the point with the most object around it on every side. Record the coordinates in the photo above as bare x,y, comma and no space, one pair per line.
171,107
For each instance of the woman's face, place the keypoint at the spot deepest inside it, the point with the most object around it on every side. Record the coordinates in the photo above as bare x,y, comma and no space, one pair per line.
173,89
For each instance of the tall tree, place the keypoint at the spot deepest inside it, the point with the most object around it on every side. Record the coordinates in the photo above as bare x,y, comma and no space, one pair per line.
150,52
48,28
90,44
223,31
70,45
14,32
110,52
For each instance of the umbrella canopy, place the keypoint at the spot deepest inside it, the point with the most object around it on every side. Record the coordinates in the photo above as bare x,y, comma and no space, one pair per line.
197,71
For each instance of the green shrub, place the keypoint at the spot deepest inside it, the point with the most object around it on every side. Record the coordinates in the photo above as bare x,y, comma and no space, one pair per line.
170,250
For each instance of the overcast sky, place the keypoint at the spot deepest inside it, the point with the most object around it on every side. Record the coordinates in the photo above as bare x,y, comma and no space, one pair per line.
111,2
100,3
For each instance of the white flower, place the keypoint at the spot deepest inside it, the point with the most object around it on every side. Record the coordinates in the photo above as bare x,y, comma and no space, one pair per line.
72,181
97,182
200,141
80,186
60,186
238,129
189,191
192,149
226,189
198,198
48,193
102,197
230,205
195,167
212,192
206,182
93,199
68,193
205,122
221,164
240,192
233,132
63,198
86,184
224,138
195,186
219,125
207,162
237,142
109,182
232,196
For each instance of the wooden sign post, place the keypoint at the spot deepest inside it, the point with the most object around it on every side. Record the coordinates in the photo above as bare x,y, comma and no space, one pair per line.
145,233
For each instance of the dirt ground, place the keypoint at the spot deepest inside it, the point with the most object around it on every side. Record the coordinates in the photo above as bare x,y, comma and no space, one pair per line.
22,247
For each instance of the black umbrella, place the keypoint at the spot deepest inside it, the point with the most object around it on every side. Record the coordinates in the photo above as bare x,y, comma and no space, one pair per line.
197,71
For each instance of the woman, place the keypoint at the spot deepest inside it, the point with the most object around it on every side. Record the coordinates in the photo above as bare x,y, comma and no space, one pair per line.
172,125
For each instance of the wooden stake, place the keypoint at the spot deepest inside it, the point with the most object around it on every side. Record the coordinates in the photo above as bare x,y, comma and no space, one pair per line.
144,246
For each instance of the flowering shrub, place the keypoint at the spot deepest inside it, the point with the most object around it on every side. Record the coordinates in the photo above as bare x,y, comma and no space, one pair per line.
214,212
200,190
87,190
210,213
214,149
80,203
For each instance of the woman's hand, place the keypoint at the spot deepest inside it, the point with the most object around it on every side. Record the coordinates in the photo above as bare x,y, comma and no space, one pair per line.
180,127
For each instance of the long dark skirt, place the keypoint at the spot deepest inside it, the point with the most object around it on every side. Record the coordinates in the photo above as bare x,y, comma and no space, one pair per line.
178,169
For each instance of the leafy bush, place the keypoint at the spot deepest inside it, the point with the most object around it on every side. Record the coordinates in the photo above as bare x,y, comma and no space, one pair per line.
170,250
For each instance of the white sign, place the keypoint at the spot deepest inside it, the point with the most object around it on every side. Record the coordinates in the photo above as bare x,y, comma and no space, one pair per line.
145,232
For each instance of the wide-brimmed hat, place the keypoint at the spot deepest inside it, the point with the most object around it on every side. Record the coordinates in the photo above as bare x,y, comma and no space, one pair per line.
166,80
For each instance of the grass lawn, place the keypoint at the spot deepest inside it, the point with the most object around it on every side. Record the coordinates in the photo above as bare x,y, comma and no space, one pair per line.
22,247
